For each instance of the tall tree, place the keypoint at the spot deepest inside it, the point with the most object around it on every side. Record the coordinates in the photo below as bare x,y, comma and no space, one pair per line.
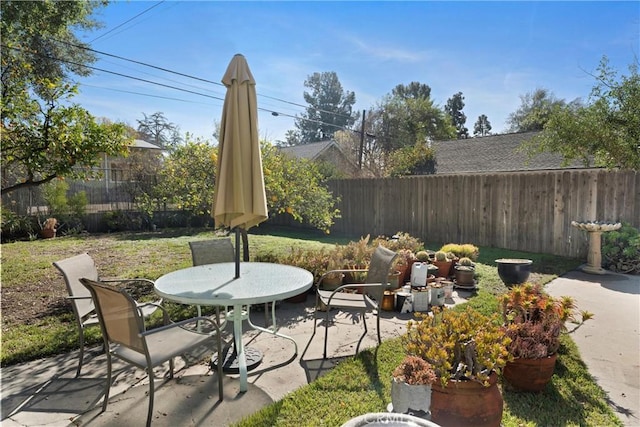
43,135
482,126
407,116
453,108
158,130
607,128
38,39
414,90
329,110
534,111
44,138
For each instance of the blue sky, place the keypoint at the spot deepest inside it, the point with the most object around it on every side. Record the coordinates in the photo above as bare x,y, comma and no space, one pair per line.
492,52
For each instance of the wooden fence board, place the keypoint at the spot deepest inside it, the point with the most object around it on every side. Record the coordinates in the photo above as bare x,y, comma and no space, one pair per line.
522,211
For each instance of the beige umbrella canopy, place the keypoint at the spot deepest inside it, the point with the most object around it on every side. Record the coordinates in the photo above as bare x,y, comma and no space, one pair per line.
240,200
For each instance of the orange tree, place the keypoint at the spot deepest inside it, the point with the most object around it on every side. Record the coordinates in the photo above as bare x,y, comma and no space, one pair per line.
293,186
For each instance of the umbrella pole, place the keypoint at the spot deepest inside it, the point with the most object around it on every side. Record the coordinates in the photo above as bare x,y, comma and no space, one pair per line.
237,252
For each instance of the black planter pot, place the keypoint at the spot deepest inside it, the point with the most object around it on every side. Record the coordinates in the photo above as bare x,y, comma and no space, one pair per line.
514,271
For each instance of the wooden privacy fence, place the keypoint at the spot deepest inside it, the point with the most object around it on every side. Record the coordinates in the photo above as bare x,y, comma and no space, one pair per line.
528,211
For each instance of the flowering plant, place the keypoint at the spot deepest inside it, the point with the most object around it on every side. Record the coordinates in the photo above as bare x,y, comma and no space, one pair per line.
414,370
533,320
459,345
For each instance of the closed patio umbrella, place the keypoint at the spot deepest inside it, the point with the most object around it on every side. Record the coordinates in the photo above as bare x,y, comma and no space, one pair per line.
240,200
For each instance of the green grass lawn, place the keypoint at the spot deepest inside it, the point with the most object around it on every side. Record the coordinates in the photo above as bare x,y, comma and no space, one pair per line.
37,322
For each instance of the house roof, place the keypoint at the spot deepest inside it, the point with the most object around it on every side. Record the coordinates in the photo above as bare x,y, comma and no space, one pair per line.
309,151
494,153
139,143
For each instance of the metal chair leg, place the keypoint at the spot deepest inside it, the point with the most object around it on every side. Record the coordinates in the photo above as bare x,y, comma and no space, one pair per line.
364,334
326,332
81,352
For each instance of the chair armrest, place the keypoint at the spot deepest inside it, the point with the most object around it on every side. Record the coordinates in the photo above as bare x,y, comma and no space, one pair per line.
165,313
78,297
356,286
128,280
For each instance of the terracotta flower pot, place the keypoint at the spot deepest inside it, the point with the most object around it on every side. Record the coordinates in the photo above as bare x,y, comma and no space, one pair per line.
467,403
444,268
530,374
48,233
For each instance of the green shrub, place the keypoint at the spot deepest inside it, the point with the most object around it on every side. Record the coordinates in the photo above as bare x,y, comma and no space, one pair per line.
69,210
621,250
55,197
17,227
462,250
400,240
123,221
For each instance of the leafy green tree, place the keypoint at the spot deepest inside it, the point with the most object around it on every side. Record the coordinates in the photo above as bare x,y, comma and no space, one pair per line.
534,111
39,42
482,127
416,160
45,138
329,110
296,187
607,128
187,177
291,137
453,108
414,90
408,116
157,130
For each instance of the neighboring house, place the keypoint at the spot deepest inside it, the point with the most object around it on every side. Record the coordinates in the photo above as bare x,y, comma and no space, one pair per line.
494,153
324,151
140,152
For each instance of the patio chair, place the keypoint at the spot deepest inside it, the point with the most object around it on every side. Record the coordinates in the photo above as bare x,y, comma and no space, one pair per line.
375,283
126,338
75,268
212,252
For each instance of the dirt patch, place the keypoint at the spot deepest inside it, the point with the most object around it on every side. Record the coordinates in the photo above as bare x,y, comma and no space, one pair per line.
28,304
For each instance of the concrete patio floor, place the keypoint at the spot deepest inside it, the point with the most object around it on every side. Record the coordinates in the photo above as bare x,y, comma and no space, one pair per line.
46,392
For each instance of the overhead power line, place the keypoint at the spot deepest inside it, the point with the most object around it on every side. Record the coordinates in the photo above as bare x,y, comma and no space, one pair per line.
127,21
166,70
273,112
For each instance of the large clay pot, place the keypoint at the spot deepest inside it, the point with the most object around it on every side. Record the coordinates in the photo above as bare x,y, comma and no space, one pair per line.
530,374
514,271
464,276
332,282
48,233
467,403
444,268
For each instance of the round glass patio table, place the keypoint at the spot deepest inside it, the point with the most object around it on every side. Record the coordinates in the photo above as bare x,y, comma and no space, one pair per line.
215,284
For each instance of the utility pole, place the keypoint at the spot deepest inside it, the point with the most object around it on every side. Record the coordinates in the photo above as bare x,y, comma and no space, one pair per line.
361,141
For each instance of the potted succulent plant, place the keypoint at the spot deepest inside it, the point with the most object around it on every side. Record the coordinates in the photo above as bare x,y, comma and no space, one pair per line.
49,228
443,263
534,320
411,386
404,261
465,272
467,350
422,256
332,279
